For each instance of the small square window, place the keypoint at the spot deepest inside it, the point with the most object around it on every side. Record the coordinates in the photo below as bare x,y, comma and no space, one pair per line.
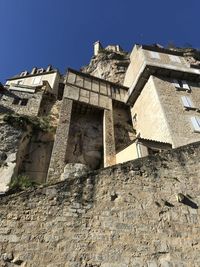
24,102
16,101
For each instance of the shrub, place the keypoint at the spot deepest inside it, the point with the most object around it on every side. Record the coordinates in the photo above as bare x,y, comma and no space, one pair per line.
22,121
21,182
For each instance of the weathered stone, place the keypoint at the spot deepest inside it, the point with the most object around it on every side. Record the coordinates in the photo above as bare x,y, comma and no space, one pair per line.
59,224
72,170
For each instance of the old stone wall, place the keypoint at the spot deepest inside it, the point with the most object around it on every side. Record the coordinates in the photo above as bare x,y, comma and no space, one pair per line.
85,142
165,59
181,128
148,115
91,90
57,162
20,102
122,216
123,128
36,159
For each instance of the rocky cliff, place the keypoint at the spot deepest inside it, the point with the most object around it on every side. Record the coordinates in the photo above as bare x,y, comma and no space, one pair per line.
109,65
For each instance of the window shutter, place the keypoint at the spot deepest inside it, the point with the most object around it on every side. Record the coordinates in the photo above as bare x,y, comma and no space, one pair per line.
181,84
187,102
185,85
154,55
190,103
195,123
176,84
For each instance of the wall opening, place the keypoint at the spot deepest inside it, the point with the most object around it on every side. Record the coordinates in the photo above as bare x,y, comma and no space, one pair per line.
85,142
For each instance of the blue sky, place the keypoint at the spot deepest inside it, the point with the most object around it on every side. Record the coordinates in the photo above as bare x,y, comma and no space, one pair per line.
62,32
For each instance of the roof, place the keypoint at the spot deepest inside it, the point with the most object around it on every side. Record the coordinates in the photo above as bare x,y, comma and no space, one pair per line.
152,141
31,75
161,50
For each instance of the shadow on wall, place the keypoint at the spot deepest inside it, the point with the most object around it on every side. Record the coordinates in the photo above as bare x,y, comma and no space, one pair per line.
85,143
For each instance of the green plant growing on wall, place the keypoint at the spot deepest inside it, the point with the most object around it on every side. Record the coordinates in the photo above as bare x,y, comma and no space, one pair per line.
22,121
21,182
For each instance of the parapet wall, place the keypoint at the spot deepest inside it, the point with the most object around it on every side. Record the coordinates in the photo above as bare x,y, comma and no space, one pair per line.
122,216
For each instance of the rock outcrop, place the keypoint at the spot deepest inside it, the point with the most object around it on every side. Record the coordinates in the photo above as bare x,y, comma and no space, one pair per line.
11,139
109,65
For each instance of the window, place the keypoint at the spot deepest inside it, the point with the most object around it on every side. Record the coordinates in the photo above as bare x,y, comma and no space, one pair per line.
37,80
154,55
40,70
16,101
174,58
24,101
187,102
196,123
180,84
24,73
19,82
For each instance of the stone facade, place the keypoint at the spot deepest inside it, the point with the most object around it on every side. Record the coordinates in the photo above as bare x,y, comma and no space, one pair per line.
181,128
90,138
163,81
99,121
141,213
21,102
150,122
27,95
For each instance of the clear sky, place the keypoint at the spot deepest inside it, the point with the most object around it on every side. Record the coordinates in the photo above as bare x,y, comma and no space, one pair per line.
62,32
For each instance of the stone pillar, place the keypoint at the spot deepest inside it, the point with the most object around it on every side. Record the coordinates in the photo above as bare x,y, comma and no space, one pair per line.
108,139
57,162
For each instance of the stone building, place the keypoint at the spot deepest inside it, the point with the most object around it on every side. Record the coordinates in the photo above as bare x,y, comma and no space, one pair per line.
118,108
22,150
167,85
24,93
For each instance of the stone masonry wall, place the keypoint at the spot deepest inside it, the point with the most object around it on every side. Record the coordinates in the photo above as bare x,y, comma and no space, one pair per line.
57,162
31,108
122,216
181,129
